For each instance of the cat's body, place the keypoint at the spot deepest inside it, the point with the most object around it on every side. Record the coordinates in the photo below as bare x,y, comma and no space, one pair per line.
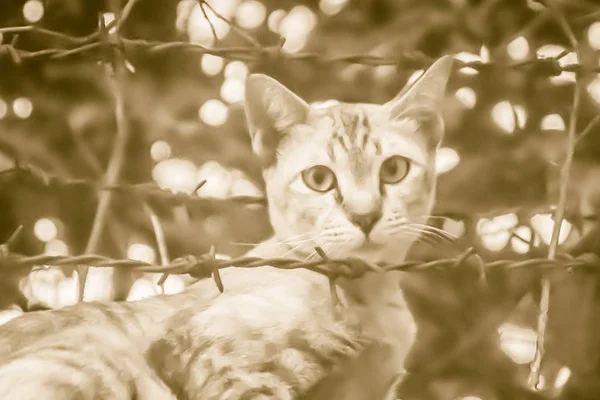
356,180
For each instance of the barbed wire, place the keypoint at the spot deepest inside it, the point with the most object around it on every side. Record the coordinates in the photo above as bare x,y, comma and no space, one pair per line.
208,264
29,173
97,42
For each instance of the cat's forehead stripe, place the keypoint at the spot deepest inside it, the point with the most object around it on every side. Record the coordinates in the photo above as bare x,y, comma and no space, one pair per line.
350,131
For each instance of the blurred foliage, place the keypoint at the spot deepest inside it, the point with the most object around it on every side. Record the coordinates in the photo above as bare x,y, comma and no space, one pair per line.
71,132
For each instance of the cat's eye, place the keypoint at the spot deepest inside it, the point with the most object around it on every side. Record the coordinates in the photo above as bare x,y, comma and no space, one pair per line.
319,178
394,169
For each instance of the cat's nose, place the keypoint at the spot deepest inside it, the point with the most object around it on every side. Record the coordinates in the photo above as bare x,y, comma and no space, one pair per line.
366,222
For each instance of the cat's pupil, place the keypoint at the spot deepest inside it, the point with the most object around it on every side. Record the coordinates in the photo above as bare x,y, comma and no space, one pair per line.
319,176
391,167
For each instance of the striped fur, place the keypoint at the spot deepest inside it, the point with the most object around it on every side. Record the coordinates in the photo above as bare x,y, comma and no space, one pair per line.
273,334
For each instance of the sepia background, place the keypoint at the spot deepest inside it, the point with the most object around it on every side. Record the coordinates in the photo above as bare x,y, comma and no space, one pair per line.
133,110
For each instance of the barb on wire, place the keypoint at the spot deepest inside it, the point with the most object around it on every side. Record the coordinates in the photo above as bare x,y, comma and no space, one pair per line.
161,243
332,284
144,190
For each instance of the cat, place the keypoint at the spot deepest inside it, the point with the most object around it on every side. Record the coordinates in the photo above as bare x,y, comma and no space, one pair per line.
354,179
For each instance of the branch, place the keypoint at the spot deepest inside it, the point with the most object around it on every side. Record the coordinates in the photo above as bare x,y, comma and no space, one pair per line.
534,377
124,15
233,26
117,75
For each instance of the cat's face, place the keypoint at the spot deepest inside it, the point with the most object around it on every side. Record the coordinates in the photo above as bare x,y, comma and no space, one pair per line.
350,178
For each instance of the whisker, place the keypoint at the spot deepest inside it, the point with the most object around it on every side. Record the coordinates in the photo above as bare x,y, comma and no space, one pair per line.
434,217
418,236
288,240
283,241
425,233
245,244
427,228
298,244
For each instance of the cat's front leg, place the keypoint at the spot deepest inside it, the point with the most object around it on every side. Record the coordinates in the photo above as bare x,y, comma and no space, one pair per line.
197,368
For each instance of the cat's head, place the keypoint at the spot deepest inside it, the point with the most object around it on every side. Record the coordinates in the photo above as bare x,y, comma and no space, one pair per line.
351,178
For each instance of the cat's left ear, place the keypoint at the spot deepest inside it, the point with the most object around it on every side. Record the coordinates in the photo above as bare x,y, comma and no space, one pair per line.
271,110
423,100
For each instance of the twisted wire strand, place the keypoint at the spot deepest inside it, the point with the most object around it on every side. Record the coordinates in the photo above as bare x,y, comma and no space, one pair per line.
145,190
95,42
207,265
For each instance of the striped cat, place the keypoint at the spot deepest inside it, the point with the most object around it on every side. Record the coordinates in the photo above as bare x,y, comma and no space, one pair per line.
354,179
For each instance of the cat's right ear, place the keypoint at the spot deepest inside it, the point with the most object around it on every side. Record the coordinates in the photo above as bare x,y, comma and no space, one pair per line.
271,110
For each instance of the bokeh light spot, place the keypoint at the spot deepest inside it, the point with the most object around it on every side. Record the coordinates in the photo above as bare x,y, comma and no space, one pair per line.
22,107
213,113
142,289
552,122
295,28
549,50
521,242
518,343
466,96
518,49
45,229
211,65
593,89
446,159
218,180
508,117
593,35
33,11
200,28
175,174
56,247
332,7
236,70
562,377
454,227
495,232
251,14
160,150
274,20
141,252
232,91
108,19
543,224
468,57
